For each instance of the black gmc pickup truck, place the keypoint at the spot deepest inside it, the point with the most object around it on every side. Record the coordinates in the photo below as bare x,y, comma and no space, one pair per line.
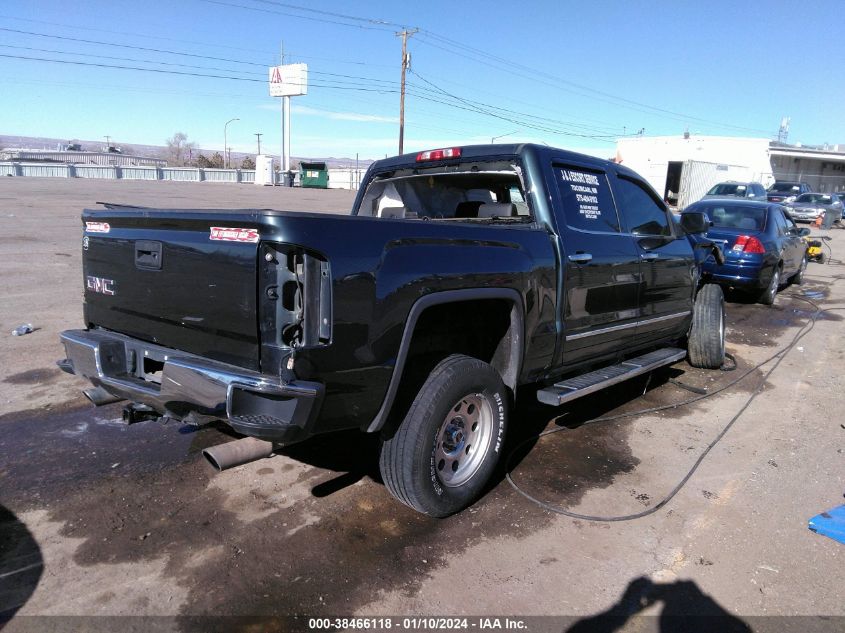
460,275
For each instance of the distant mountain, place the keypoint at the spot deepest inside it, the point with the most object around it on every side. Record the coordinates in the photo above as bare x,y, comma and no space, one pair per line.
151,151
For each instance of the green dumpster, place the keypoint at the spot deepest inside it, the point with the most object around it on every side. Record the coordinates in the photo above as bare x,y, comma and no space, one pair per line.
314,175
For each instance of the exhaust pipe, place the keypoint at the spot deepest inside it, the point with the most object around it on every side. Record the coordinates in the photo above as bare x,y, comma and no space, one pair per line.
100,396
242,451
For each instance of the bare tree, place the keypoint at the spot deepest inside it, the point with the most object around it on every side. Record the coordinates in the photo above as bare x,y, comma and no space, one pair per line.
179,149
248,163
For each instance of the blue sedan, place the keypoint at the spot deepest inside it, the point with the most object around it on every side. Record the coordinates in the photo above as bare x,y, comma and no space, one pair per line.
762,246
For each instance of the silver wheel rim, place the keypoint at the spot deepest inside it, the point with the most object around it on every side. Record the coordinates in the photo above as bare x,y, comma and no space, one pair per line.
463,439
722,330
803,268
775,282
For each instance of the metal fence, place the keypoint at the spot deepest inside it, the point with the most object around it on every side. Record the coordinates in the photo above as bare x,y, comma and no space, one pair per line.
139,173
115,172
340,178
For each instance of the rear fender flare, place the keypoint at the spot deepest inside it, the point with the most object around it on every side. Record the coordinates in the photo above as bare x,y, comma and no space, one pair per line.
510,375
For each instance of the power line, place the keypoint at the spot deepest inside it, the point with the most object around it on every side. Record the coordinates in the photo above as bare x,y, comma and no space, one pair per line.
521,70
480,108
355,18
144,35
125,59
535,117
189,74
371,27
198,43
137,48
459,48
469,106
179,53
164,51
443,43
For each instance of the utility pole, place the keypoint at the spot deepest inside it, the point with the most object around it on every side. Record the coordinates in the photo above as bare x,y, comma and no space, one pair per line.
258,136
406,63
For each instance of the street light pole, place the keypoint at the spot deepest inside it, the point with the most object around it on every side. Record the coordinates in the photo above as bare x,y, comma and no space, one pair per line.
225,142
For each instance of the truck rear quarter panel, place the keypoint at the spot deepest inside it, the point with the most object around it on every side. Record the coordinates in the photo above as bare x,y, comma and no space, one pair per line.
381,267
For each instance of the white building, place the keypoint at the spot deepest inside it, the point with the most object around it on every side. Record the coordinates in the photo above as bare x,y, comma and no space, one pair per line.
660,159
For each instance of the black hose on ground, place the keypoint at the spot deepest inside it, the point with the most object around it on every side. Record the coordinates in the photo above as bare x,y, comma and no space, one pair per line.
777,357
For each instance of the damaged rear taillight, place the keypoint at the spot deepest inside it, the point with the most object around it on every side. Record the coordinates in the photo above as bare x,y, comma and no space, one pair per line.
296,307
748,244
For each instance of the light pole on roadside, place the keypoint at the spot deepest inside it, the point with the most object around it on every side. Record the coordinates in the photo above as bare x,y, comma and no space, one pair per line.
225,143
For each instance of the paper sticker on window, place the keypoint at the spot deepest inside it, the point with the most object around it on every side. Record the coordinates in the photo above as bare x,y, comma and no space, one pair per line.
586,200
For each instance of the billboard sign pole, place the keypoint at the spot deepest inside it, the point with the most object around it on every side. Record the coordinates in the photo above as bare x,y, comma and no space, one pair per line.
286,81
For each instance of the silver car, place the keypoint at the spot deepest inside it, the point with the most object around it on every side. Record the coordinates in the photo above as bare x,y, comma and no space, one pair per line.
732,189
808,207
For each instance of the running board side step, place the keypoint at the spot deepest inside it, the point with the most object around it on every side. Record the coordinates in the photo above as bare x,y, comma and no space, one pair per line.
574,388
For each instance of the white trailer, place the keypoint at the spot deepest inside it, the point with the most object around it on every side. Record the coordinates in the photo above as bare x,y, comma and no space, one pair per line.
695,177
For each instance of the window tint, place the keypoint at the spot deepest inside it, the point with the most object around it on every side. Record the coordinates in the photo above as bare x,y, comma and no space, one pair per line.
586,200
641,211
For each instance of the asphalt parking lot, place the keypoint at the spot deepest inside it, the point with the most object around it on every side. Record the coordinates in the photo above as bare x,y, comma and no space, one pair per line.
98,518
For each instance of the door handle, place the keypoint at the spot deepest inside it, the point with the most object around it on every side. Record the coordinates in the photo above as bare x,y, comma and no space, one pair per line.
580,258
649,256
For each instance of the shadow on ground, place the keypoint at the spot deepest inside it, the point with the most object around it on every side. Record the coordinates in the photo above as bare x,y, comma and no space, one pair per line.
685,609
21,564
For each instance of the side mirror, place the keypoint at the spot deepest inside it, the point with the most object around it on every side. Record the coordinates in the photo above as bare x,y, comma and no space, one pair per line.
803,232
693,222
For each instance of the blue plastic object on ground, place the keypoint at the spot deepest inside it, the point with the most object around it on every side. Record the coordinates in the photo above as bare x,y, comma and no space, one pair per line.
830,524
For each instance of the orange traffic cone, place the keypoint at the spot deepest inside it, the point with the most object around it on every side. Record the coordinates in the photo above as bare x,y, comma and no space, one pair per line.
817,222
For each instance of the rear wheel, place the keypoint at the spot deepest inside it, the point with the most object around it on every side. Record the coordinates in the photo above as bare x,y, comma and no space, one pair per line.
771,291
706,341
446,448
798,278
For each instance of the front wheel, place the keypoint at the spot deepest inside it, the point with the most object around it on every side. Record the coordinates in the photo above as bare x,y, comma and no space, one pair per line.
706,340
445,450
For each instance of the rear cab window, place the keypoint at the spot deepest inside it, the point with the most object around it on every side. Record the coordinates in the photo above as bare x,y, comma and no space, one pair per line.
475,191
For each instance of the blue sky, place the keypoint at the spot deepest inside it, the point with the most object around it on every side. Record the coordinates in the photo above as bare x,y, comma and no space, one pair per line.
571,74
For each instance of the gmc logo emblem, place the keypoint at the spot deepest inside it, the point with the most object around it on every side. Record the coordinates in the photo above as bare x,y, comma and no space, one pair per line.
100,285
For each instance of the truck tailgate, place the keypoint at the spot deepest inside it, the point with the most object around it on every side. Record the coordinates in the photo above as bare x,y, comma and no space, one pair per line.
175,278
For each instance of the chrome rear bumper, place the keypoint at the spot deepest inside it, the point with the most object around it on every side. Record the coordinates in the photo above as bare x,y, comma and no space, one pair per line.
176,383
